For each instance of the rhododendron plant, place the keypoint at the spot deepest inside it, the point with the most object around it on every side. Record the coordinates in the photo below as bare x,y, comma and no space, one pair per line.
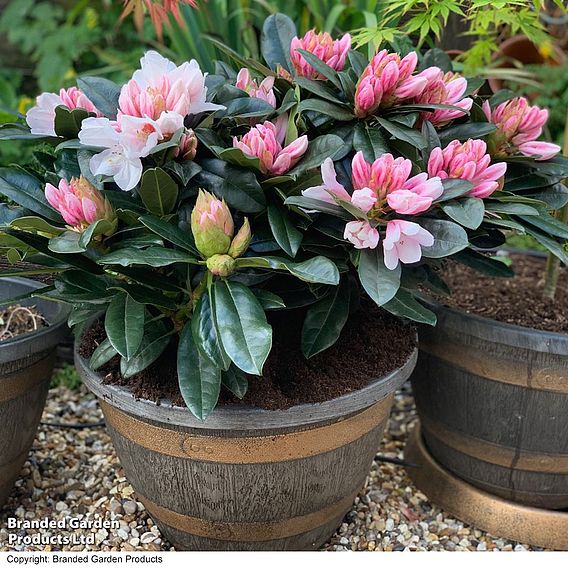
304,180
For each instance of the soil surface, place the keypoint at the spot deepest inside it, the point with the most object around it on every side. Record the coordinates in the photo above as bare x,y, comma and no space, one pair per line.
516,300
17,320
372,344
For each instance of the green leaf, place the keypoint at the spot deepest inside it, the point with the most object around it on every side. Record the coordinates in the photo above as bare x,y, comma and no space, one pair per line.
436,57
484,263
158,191
453,188
468,212
184,171
26,190
319,149
67,243
316,205
156,339
237,157
321,67
234,380
199,378
511,208
277,33
247,107
548,224
152,256
102,93
170,232
245,334
124,324
318,88
449,238
100,227
555,248
317,270
68,122
20,132
370,141
463,132
35,225
378,281
284,231
405,305
327,108
84,159
238,186
404,133
268,300
325,320
205,333
102,355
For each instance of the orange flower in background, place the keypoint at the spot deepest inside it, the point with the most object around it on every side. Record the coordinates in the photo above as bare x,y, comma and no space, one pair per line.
159,11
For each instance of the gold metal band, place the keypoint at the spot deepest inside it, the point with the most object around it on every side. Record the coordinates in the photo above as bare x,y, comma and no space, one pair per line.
16,384
495,454
513,372
540,527
248,532
256,449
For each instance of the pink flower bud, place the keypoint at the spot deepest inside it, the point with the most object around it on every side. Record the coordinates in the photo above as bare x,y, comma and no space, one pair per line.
361,234
241,241
187,147
403,242
211,225
518,127
80,204
468,161
386,81
264,142
264,91
322,45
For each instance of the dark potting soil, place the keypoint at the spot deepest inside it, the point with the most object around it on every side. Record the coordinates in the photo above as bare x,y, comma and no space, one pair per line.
16,320
372,344
516,300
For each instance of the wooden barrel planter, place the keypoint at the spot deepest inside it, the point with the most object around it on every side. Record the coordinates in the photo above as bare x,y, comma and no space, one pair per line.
26,364
493,404
247,478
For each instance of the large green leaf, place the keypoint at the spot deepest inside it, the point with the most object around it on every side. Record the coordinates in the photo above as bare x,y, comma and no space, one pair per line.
245,334
152,256
453,188
325,320
284,231
404,133
102,355
102,92
248,107
158,191
378,281
511,208
405,305
317,270
449,238
370,141
68,122
321,67
67,243
236,381
170,232
124,324
277,34
325,107
484,263
463,132
156,339
238,186
319,149
318,88
468,212
547,224
268,300
26,190
199,378
554,247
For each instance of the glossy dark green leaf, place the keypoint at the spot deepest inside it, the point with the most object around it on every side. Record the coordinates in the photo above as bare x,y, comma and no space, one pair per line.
484,263
67,243
199,378
322,68
277,34
463,132
245,334
124,324
436,57
171,232
156,339
550,244
284,231
68,122
449,238
454,188
322,147
404,133
547,224
102,92
378,281
468,211
318,88
325,320
310,204
158,191
236,381
152,256
405,305
248,107
370,141
268,300
102,355
20,132
327,108
184,171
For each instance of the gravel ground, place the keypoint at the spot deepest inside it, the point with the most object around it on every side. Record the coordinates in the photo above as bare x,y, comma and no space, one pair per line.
76,472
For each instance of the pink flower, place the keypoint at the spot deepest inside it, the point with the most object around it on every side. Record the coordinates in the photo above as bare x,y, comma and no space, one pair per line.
264,91
403,242
333,53
41,118
361,234
443,88
386,81
518,127
264,141
160,86
468,161
79,203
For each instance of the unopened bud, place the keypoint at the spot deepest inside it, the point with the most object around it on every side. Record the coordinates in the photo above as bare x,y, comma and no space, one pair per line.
241,241
221,265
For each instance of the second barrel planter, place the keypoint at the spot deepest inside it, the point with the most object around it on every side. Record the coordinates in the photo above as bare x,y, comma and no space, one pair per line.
248,478
493,404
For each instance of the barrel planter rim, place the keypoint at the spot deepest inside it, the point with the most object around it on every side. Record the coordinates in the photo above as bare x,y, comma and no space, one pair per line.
22,345
227,417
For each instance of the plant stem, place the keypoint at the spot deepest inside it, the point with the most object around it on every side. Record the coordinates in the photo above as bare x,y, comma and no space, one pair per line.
552,270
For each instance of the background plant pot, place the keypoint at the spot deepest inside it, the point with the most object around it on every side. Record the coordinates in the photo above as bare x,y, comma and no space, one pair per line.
520,48
247,478
493,403
26,363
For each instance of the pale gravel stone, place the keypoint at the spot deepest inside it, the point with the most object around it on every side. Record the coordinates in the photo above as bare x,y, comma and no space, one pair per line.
76,473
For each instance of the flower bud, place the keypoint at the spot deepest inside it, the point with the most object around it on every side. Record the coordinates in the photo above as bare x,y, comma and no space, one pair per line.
241,241
187,147
211,225
221,265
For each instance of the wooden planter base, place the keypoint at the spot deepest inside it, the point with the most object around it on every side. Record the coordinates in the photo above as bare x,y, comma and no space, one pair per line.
539,527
